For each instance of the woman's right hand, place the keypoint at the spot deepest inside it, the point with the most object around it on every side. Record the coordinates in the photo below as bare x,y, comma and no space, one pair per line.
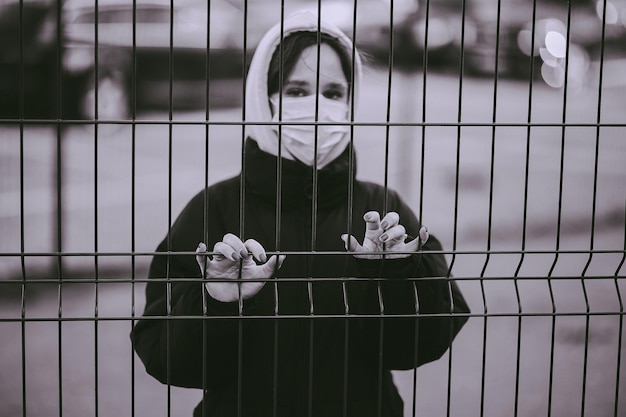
233,259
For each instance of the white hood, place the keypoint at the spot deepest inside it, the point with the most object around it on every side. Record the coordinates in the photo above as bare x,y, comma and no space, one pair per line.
257,102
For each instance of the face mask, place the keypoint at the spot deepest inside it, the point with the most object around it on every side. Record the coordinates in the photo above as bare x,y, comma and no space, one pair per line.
299,140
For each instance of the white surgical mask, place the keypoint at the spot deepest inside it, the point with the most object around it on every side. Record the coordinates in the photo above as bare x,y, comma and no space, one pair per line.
299,140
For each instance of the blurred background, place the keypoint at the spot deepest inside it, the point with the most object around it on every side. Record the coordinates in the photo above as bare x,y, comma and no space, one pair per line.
500,122
51,67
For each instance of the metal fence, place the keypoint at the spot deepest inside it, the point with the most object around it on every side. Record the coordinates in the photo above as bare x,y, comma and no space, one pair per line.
500,123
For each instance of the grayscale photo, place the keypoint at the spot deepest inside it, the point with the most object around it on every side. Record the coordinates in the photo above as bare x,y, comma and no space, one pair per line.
316,208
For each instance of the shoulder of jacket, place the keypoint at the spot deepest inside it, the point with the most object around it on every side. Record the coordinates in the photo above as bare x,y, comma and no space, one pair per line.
221,191
228,185
372,190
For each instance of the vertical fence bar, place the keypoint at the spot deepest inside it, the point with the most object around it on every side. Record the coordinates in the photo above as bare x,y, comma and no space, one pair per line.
96,276
278,211
458,140
597,142
525,204
586,348
350,217
59,339
562,154
552,344
518,346
621,264
22,211
381,353
205,206
456,189
491,180
59,204
484,351
421,184
593,213
526,184
381,329
133,208
313,223
528,135
169,202
593,206
95,207
242,219
560,199
388,111
584,288
490,215
415,352
621,324
350,213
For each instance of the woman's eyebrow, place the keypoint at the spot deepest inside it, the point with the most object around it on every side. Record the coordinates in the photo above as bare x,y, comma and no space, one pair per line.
298,83
306,84
339,86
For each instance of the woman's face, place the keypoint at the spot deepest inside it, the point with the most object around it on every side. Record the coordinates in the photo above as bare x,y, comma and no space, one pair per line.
303,79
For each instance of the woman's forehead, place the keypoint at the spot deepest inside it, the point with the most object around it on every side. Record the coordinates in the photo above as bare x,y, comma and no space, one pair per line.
306,67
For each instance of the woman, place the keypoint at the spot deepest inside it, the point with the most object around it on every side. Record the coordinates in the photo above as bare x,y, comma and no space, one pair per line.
285,338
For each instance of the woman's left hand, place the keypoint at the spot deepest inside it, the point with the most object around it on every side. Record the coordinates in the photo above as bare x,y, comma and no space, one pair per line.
386,235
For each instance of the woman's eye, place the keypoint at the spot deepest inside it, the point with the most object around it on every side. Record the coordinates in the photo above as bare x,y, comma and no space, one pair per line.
295,92
333,94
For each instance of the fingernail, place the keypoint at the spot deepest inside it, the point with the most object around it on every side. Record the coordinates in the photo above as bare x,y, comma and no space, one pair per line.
384,237
345,241
263,257
368,217
384,224
243,253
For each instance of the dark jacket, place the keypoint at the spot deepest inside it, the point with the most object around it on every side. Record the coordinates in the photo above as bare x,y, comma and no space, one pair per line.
322,338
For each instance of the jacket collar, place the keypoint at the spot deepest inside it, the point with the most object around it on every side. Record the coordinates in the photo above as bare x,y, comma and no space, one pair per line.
296,178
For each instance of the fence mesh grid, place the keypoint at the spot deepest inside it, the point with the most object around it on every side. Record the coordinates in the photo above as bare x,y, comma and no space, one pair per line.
515,162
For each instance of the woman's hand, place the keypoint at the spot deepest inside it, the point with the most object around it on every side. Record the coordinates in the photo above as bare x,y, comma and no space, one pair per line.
233,259
386,235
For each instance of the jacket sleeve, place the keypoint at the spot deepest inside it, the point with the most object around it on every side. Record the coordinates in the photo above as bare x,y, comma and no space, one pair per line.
419,289
176,336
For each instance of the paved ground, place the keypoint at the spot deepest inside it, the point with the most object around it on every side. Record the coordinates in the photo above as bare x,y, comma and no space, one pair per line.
563,187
